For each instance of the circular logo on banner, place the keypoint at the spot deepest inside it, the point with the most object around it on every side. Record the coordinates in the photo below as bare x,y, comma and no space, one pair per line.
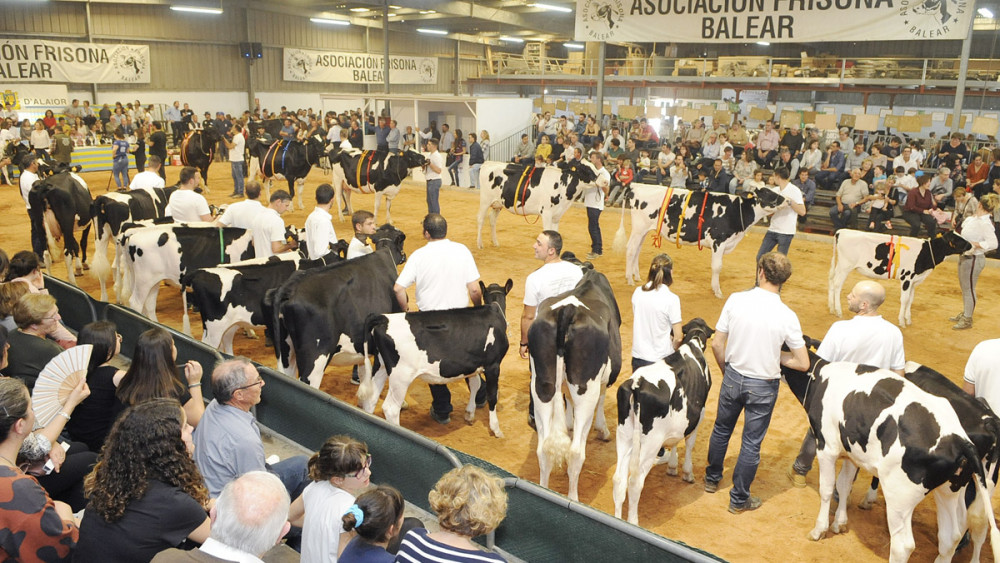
130,63
601,18
299,65
427,71
932,19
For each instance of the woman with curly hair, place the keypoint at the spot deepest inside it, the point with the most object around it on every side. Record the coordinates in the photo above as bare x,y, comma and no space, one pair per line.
152,375
146,494
469,502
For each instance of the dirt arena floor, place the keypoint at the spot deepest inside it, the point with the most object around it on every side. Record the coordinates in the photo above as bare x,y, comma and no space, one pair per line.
677,510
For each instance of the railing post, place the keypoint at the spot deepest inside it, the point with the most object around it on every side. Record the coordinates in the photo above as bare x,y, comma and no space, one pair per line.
923,75
770,68
843,69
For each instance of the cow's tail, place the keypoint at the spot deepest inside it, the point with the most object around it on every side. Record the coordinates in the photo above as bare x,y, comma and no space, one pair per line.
633,406
100,267
366,390
981,507
620,237
557,443
185,281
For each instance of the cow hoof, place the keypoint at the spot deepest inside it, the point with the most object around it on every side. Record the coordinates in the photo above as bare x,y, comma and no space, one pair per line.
672,471
816,535
470,417
498,434
838,528
688,477
404,406
604,435
78,271
865,505
86,266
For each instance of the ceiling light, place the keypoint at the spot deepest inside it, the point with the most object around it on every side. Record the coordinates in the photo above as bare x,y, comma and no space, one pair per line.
392,14
432,31
197,10
564,90
573,45
428,11
511,39
359,10
327,21
395,7
986,13
764,43
552,8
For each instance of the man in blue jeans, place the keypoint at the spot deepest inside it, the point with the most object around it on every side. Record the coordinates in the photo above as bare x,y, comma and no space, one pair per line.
432,173
783,222
747,346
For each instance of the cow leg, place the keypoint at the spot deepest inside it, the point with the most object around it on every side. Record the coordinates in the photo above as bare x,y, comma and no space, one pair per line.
149,305
688,449
394,397
470,410
950,521
836,285
494,213
484,208
388,207
585,404
905,300
101,266
648,449
314,370
901,497
827,476
70,275
225,343
716,270
975,518
299,183
670,458
626,445
844,481
635,241
871,496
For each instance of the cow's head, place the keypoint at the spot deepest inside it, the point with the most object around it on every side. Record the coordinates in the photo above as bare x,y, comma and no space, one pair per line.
211,135
392,238
496,293
768,200
314,150
340,248
697,330
583,171
949,243
413,159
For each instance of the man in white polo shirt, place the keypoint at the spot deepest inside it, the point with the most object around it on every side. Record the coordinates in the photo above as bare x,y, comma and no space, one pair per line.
149,178
319,225
242,213
29,175
783,222
269,229
747,346
187,205
982,372
446,277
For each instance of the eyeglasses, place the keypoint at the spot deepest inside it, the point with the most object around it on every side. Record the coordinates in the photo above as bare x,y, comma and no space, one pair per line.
366,465
53,317
260,381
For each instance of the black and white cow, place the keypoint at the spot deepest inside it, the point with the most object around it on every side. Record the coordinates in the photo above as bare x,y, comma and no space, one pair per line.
717,221
886,257
167,252
66,200
318,315
575,353
545,191
660,405
113,210
292,160
381,173
910,439
198,150
230,296
439,347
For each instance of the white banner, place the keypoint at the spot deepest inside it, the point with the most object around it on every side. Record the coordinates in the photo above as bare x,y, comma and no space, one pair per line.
35,96
86,63
774,21
303,65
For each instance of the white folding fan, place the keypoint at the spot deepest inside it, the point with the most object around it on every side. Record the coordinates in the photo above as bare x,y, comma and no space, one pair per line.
57,380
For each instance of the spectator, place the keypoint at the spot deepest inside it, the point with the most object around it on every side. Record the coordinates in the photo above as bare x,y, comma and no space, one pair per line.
146,494
656,331
456,156
767,145
965,207
812,157
832,171
469,502
432,173
876,156
594,199
807,187
980,379
96,414
976,175
941,187
153,375
745,168
158,148
320,234
119,159
917,208
10,294
852,194
525,151
62,146
40,140
880,215
37,317
978,230
237,162
394,137
476,159
409,139
186,205
377,518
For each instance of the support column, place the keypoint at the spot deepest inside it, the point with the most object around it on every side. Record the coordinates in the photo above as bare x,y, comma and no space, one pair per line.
385,47
251,93
89,30
600,84
458,69
963,69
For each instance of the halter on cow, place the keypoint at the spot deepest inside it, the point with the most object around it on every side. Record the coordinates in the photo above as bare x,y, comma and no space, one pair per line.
292,160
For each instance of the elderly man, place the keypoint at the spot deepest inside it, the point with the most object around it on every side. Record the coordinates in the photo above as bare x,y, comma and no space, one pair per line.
856,157
846,143
227,440
852,193
248,520
865,339
767,144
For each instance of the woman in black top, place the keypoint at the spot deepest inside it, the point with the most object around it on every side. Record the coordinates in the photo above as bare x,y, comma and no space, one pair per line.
94,416
457,156
158,147
140,150
153,375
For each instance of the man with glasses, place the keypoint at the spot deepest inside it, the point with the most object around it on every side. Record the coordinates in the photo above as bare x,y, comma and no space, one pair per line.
227,439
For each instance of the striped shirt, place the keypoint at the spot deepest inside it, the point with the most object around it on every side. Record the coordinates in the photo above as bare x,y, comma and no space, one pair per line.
418,547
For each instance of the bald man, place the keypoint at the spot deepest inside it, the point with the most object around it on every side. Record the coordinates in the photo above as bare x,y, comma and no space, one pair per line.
865,339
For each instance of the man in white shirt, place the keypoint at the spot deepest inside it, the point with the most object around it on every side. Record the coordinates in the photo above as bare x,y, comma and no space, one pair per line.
782,229
186,205
747,344
664,160
319,225
364,227
593,199
865,339
446,277
237,160
28,178
242,213
432,173
149,178
269,229
982,373
906,160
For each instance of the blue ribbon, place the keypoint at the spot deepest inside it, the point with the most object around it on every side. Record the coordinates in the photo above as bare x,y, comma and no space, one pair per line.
359,516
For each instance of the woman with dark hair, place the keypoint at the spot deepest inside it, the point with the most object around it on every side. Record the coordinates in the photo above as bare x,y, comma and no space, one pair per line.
96,414
456,156
152,375
917,208
656,331
146,494
49,119
377,517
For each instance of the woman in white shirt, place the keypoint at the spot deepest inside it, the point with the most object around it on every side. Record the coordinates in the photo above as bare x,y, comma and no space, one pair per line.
484,143
40,140
656,312
812,158
978,230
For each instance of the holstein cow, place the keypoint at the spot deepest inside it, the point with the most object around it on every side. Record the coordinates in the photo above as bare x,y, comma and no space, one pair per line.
439,347
318,315
718,221
167,252
66,200
230,296
111,212
545,191
198,150
884,256
575,353
381,173
660,405
911,440
292,160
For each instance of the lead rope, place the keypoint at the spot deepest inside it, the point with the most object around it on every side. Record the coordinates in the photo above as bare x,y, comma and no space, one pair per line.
222,248
701,217
524,193
658,237
680,223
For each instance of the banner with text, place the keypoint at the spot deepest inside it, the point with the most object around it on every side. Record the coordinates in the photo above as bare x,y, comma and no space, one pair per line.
773,21
302,65
35,96
85,63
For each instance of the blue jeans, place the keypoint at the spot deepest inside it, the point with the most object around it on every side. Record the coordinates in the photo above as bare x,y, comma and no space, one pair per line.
772,239
237,168
433,188
474,174
119,169
293,474
453,171
594,226
756,397
841,219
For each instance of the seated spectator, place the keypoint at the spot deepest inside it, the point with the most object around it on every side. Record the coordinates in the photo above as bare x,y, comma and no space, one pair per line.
340,470
146,494
942,186
469,502
10,293
96,414
37,317
153,375
25,266
917,209
852,194
880,215
757,182
377,518
965,207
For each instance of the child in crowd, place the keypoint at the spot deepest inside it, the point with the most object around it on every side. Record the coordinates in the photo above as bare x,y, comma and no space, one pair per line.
756,183
643,167
377,518
880,215
624,175
364,227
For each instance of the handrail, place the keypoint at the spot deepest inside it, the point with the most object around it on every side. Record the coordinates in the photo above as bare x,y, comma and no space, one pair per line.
505,149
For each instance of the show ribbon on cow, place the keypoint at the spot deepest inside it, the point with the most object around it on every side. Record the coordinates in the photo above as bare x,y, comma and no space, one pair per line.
895,255
658,238
522,186
701,218
680,222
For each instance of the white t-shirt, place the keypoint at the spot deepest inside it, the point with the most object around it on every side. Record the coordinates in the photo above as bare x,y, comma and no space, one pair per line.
873,341
187,206
357,248
319,233
757,324
982,371
325,505
441,270
267,228
438,160
241,214
550,279
594,196
236,153
654,313
146,181
27,180
785,219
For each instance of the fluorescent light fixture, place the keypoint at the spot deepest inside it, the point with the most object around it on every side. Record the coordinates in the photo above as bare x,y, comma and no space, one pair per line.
432,31
552,8
565,90
359,10
573,45
392,14
764,43
511,39
428,11
986,13
327,21
395,7
197,10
